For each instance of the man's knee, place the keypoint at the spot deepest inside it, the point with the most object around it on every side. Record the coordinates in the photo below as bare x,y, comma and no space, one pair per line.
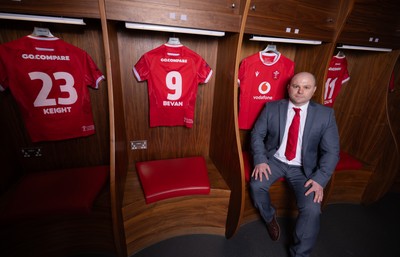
312,209
256,186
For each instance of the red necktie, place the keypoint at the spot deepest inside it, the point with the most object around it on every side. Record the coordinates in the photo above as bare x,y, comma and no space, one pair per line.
293,135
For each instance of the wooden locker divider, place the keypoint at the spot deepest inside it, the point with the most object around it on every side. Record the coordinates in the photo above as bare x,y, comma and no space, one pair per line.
118,145
393,111
222,152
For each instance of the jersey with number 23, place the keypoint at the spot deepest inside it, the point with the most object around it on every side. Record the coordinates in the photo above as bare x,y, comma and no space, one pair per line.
49,80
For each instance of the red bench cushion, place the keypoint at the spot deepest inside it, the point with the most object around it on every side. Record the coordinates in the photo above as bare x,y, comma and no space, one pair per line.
67,191
348,162
162,179
248,165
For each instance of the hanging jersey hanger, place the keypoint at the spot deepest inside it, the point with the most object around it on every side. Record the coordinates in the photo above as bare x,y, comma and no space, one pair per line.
173,41
41,32
340,54
271,48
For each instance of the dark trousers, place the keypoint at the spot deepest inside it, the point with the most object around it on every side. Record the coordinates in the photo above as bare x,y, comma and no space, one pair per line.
308,219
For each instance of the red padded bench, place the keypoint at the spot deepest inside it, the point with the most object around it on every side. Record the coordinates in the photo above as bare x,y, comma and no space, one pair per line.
348,162
163,179
56,192
351,178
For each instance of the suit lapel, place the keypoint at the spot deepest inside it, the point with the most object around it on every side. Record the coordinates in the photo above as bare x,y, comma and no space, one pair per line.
309,122
283,109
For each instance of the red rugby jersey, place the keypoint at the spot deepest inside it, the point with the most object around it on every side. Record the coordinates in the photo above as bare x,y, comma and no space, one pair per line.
337,75
173,73
263,78
49,80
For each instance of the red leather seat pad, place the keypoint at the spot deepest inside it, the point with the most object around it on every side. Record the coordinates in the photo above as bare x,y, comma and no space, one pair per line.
67,191
348,162
162,179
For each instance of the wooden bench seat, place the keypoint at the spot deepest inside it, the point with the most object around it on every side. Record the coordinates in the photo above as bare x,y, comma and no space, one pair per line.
350,180
149,223
56,192
58,213
347,185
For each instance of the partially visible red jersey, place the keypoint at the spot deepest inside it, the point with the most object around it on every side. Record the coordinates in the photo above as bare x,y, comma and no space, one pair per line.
336,77
49,80
263,77
391,82
173,73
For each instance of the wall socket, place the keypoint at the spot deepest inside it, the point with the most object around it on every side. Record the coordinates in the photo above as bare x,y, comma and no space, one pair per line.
138,144
28,152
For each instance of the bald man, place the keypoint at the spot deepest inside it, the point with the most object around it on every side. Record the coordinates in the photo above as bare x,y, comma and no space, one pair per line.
305,153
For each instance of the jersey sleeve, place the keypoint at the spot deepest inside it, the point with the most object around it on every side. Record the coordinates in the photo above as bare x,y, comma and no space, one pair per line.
141,69
205,71
93,75
346,75
242,71
3,71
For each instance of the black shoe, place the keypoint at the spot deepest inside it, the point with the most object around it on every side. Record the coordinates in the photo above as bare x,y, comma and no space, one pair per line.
274,229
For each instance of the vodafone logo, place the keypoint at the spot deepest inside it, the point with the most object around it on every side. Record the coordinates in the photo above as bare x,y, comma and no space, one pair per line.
264,88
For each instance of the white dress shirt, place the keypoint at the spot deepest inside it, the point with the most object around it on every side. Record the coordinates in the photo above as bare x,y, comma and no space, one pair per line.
280,154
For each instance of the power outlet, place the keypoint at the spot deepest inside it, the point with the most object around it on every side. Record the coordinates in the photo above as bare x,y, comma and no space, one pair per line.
138,144
28,152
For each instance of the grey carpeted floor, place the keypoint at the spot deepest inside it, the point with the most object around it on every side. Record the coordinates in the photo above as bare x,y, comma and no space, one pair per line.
347,230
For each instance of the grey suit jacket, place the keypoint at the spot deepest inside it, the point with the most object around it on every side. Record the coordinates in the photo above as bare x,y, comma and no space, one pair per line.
320,147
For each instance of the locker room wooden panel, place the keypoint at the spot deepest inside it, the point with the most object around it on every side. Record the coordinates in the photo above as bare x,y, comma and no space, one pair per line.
92,150
393,99
120,105
96,229
212,136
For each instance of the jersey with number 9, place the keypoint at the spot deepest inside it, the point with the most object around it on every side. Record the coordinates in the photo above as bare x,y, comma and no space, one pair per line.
173,73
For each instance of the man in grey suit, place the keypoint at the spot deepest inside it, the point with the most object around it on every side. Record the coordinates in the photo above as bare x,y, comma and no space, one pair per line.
307,170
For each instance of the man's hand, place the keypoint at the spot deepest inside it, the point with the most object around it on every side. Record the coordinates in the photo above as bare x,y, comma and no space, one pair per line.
260,170
317,189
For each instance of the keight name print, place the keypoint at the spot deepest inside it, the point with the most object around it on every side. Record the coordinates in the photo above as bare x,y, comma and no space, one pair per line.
57,110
